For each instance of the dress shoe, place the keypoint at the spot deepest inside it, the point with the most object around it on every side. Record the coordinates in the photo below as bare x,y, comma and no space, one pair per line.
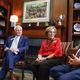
8,74
13,77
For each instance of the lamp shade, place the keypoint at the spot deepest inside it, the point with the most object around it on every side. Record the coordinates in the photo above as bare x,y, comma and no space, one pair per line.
13,18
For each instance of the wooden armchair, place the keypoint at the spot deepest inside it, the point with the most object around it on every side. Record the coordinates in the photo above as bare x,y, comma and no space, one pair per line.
22,64
65,48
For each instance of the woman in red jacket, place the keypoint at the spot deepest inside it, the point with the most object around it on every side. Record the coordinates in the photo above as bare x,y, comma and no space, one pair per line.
48,56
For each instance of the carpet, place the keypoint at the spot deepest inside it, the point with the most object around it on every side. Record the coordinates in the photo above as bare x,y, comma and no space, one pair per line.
28,75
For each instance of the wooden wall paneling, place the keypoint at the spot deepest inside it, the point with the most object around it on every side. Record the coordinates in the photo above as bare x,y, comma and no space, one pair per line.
2,3
60,7
70,20
35,33
17,9
6,5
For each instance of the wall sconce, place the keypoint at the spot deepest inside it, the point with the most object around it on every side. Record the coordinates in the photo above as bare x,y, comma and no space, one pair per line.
60,18
13,20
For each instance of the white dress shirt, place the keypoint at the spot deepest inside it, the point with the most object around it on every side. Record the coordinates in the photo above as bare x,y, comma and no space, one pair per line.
15,42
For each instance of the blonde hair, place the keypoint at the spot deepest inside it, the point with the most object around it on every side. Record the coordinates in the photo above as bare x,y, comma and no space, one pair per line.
48,29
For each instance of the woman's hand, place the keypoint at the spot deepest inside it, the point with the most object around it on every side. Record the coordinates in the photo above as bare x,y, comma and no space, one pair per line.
40,59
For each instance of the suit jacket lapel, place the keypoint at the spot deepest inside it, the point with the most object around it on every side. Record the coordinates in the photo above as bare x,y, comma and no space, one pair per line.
11,40
19,43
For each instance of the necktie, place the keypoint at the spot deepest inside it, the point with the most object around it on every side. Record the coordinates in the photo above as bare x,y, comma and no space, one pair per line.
15,42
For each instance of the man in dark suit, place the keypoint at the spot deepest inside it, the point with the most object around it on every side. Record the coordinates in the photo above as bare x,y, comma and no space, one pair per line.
15,47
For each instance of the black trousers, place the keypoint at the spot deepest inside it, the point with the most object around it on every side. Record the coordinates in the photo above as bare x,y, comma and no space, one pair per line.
41,70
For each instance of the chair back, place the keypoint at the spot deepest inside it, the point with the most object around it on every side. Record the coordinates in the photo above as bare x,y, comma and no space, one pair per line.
66,47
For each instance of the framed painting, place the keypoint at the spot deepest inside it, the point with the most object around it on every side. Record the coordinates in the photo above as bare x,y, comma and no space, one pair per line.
36,11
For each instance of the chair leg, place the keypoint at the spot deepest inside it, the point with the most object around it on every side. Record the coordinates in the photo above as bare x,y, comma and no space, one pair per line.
33,77
22,73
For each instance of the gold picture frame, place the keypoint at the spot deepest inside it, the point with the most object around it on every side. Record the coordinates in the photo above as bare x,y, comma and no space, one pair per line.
36,11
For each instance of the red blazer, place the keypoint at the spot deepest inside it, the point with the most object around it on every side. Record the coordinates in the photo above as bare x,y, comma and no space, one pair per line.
48,48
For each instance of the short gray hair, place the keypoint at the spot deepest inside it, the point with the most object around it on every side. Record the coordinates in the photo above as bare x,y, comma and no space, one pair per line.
18,26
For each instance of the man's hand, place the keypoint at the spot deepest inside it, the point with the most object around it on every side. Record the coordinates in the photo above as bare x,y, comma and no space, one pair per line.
70,60
14,50
75,61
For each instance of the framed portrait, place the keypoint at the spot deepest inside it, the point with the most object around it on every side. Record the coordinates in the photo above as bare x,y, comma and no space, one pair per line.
36,11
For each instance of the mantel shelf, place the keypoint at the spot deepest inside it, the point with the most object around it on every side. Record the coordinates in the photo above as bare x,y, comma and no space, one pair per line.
76,21
1,26
2,17
41,26
76,9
